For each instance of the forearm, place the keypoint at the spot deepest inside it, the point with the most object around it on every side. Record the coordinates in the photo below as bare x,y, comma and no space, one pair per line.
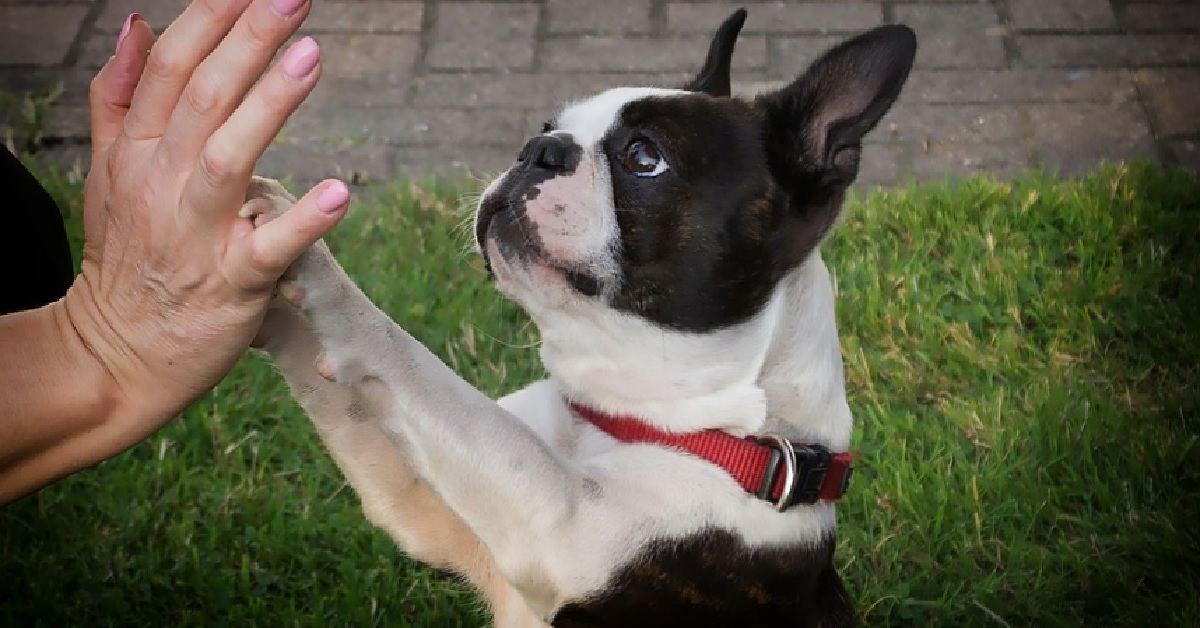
60,409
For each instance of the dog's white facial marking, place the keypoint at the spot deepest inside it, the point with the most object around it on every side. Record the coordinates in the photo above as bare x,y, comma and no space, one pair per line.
589,120
569,216
575,213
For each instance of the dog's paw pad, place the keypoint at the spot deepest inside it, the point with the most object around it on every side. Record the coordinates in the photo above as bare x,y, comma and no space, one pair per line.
260,210
325,368
292,292
266,199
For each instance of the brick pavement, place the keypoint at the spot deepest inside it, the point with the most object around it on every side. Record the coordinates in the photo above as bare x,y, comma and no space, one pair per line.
421,87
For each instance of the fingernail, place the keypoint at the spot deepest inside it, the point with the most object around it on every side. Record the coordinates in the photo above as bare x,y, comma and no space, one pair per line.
286,7
125,28
301,58
333,197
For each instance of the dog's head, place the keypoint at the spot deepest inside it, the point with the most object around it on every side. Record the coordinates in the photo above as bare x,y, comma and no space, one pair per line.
685,207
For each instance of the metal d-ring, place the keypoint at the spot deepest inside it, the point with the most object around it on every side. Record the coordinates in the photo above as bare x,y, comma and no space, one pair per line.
789,467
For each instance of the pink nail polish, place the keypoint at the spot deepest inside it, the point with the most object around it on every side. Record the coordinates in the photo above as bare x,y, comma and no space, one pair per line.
133,17
301,58
286,7
333,197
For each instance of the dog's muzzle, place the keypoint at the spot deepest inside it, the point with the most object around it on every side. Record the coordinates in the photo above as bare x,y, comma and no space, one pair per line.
543,158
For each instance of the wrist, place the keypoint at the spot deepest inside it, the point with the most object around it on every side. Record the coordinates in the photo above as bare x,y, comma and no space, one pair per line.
138,397
79,337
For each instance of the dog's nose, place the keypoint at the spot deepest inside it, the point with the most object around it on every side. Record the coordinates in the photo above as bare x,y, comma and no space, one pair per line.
550,152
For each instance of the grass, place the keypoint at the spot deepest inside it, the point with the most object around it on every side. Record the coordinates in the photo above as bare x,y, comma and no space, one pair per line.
1021,360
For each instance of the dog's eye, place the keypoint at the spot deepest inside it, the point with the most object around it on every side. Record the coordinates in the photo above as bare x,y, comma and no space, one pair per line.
642,159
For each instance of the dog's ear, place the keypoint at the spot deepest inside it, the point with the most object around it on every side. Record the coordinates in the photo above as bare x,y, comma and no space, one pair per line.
814,127
713,78
817,123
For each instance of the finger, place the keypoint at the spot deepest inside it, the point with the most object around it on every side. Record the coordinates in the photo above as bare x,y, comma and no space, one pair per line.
186,42
111,92
222,80
272,247
229,156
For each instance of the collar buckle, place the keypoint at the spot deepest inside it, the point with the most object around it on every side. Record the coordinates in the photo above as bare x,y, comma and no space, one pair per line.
805,467
783,452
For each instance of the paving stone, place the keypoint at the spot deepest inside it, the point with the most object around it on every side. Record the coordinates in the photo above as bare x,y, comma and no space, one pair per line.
774,17
408,126
960,50
975,17
483,35
95,50
479,163
1020,85
528,90
951,124
157,13
68,122
789,56
1003,160
582,16
360,93
365,17
386,59
311,162
1073,138
1145,16
646,54
38,35
957,36
882,164
1186,154
1173,97
69,84
1062,15
1108,50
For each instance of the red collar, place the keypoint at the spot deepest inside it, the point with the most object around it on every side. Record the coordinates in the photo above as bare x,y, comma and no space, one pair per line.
782,472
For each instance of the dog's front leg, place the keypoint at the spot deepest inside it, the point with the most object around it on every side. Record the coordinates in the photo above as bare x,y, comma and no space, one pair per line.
485,464
489,467
394,497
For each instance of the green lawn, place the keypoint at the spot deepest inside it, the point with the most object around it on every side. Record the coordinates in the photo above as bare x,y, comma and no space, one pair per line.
1021,362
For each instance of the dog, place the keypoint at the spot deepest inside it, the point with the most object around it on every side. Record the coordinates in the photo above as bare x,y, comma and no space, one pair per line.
679,465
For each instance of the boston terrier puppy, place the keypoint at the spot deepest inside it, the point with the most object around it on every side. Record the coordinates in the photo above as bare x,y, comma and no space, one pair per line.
679,466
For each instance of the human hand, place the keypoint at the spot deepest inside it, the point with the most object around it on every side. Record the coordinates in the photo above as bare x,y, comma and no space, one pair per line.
174,284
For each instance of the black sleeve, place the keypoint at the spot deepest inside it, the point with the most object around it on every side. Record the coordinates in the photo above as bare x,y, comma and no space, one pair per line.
35,257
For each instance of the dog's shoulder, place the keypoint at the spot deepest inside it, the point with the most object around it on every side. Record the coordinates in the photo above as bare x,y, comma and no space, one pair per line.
713,578
541,406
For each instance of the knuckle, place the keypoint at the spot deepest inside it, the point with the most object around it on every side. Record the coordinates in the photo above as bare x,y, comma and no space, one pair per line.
165,64
218,163
205,95
260,37
218,11
262,260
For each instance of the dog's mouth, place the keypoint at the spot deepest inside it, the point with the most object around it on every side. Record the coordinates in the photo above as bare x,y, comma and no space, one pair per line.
516,240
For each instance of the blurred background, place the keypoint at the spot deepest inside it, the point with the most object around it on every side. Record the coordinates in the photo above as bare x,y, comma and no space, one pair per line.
446,87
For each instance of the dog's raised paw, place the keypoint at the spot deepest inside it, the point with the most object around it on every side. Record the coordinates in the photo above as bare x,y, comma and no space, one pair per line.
292,292
265,200
326,368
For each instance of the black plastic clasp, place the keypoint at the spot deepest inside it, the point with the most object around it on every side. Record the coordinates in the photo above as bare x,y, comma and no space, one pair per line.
812,462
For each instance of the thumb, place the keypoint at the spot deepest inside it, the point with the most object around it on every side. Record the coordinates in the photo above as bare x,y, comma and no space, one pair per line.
276,244
111,90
